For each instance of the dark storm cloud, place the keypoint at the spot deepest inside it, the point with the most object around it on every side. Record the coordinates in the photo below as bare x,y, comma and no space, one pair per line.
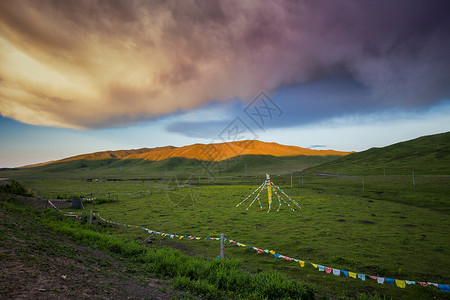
87,64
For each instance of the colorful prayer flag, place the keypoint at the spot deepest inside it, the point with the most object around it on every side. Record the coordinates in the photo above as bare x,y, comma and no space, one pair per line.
400,283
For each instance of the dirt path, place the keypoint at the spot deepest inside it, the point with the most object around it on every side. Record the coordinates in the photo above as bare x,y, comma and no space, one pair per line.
36,263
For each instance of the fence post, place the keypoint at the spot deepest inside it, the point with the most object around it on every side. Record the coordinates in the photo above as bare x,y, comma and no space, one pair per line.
291,180
90,217
222,247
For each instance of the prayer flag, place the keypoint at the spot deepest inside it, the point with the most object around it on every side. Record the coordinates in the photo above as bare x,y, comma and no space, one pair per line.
400,283
444,287
422,283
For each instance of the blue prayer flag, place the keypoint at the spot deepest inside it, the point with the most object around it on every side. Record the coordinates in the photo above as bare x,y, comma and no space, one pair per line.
444,287
390,280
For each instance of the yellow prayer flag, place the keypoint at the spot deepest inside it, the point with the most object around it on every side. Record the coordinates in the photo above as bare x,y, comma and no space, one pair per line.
272,252
314,265
351,274
302,263
242,245
400,283
197,238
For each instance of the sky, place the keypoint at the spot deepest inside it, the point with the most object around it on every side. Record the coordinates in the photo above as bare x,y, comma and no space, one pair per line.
86,76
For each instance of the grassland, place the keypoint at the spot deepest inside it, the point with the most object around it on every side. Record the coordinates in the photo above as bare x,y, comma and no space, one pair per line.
391,229
368,215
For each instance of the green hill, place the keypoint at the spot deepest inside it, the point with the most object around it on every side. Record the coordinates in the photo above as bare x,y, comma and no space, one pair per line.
141,168
427,155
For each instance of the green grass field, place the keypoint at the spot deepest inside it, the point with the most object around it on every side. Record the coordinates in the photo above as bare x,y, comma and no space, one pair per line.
375,218
391,229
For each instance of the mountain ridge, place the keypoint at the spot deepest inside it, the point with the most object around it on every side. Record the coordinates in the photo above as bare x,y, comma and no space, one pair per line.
202,152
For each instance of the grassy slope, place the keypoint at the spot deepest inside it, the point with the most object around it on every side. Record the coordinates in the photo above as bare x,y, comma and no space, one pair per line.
114,168
426,155
40,263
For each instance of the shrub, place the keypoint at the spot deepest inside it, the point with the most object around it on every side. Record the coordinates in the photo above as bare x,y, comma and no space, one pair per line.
15,188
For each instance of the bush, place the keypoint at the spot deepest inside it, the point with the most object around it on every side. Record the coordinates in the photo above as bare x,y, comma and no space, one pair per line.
97,201
15,188
199,287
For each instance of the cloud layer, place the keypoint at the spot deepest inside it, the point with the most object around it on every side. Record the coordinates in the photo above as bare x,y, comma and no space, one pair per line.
93,64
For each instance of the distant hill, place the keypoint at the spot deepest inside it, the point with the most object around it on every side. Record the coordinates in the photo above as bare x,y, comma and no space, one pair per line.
198,159
427,155
117,154
202,152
